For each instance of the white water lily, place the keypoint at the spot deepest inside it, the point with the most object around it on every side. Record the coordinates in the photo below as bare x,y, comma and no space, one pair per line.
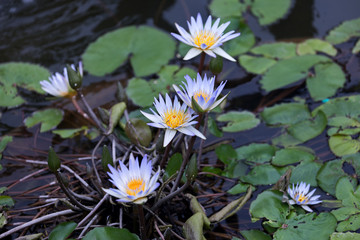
58,85
133,184
300,195
172,117
202,90
205,38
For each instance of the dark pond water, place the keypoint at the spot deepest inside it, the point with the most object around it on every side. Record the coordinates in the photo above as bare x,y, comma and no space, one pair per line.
53,33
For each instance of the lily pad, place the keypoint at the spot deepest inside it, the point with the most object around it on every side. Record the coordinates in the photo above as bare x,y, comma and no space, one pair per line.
342,145
292,155
238,121
345,236
254,235
309,226
256,152
62,231
329,174
256,65
173,165
344,31
111,50
305,172
289,71
277,50
344,212
48,118
263,175
23,75
345,192
269,205
70,133
268,12
226,153
226,8
327,80
213,128
311,46
110,233
350,224
343,106
285,114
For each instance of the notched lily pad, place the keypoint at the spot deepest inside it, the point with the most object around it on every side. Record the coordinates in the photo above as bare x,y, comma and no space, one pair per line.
256,65
256,153
311,46
277,50
238,121
48,118
285,114
344,31
270,11
342,145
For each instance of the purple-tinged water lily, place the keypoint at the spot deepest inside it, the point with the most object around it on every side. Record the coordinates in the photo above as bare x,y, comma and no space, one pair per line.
300,195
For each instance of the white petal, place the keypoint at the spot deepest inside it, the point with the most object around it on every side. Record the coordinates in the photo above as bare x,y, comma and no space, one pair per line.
210,53
222,53
306,208
196,132
169,135
193,52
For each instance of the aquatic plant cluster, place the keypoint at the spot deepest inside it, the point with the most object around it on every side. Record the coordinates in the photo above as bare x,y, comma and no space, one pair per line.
156,159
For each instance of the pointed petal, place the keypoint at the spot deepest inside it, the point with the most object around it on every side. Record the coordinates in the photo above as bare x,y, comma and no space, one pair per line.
224,54
193,52
169,135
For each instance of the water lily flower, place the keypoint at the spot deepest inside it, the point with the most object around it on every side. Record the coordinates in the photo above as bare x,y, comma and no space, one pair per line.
300,195
58,85
205,38
133,184
200,90
173,117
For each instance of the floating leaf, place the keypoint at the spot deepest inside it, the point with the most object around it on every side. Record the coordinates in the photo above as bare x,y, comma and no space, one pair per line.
235,169
344,31
350,224
270,11
173,165
226,153
344,212
255,235
343,106
110,233
62,231
345,236
256,65
263,175
327,80
346,193
309,226
226,8
308,129
256,152
140,92
23,75
213,128
356,48
286,113
111,50
269,205
238,121
278,50
6,201
305,172
342,145
70,133
239,188
311,46
48,118
292,155
290,70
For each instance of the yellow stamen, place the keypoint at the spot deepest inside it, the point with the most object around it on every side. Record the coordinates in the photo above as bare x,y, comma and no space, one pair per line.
201,94
175,118
205,37
134,186
301,198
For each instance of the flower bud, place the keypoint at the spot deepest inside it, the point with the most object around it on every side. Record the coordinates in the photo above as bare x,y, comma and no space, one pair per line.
53,160
75,78
216,65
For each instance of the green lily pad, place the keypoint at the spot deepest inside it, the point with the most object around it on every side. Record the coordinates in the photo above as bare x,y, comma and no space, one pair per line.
344,31
342,145
6,201
23,75
244,42
292,155
356,48
305,172
140,92
239,188
346,193
111,50
345,236
256,152
235,169
329,174
308,129
256,65
213,128
277,50
344,212
285,114
254,235
70,133
327,80
48,118
173,165
110,233
269,205
309,226
289,71
354,160
311,46
263,175
238,121
226,153
268,12
343,106
226,8
350,224
62,231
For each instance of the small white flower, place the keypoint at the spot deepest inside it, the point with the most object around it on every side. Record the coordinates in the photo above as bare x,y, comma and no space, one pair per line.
133,184
202,90
172,117
58,85
300,195
205,38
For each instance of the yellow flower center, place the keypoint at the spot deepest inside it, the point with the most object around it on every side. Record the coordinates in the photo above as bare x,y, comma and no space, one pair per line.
301,198
201,94
175,118
205,39
134,186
